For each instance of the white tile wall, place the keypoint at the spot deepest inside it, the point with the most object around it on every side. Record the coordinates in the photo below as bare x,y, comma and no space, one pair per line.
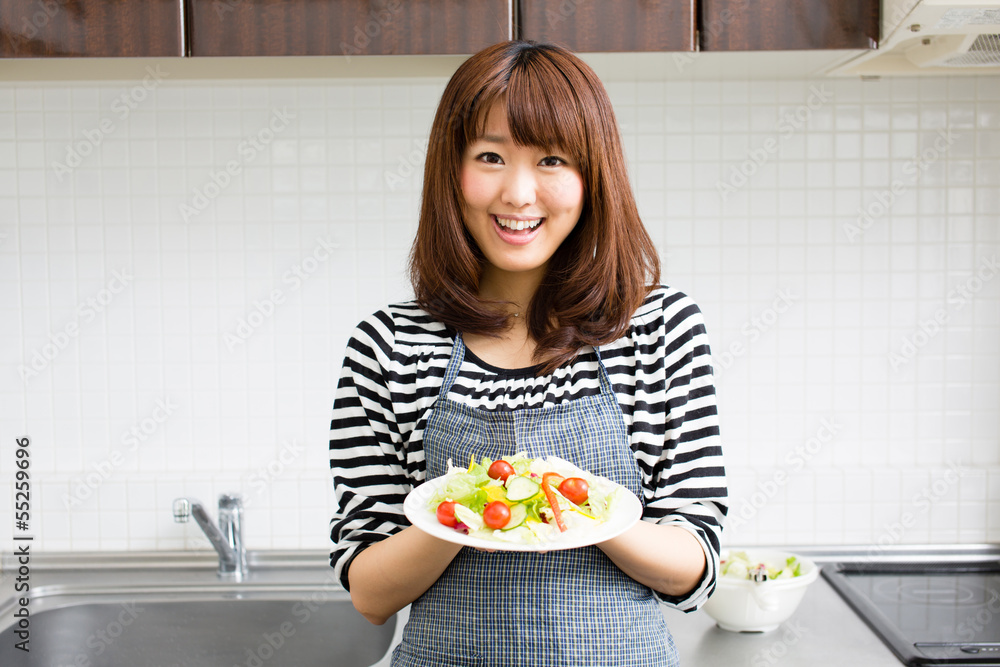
181,264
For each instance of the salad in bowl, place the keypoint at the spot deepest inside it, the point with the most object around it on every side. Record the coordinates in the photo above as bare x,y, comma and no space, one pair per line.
758,590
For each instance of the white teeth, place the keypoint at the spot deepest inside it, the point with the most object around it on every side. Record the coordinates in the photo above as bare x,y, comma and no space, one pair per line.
518,224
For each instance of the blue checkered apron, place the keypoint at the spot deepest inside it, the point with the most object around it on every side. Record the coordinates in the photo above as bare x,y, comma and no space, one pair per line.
569,608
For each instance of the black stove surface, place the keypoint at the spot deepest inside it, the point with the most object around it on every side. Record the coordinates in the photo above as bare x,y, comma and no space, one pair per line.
928,614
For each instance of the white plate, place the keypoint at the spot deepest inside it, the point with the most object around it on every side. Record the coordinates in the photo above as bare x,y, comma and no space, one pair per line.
627,511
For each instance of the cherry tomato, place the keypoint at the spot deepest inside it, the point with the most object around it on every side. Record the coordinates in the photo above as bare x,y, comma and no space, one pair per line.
500,469
446,514
575,490
496,515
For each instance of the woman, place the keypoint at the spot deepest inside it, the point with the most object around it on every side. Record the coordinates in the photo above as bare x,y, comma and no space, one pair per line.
534,329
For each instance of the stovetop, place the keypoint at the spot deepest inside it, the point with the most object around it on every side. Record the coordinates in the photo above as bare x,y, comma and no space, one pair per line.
927,613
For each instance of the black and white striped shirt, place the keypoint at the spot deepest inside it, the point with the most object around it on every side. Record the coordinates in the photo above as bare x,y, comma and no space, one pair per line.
661,373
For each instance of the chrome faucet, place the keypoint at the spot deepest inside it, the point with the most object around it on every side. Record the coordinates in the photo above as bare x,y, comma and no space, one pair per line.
227,538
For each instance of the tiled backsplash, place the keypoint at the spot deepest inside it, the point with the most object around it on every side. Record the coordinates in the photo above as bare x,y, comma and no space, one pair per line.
181,263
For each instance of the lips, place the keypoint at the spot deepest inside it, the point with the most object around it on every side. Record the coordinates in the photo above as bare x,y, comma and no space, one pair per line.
517,230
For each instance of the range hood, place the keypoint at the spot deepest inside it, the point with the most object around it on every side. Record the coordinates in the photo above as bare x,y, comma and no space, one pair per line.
932,37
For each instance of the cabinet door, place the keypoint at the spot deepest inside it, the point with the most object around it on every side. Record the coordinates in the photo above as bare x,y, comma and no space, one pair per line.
771,25
98,28
600,25
345,27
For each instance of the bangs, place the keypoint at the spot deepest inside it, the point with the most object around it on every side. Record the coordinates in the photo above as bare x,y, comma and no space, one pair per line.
540,102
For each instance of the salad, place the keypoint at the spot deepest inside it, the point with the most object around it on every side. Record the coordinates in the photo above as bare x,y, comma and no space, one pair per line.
521,499
739,566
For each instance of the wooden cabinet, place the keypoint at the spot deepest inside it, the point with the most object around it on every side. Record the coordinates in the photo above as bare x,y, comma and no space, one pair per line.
770,25
717,25
149,28
90,28
600,25
345,27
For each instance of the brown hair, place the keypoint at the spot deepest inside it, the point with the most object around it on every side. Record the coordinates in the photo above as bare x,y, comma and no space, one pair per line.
601,273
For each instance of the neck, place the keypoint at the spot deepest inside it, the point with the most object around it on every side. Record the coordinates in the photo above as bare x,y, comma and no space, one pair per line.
516,288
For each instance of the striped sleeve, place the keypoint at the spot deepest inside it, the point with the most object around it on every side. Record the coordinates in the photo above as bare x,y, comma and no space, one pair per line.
367,460
675,432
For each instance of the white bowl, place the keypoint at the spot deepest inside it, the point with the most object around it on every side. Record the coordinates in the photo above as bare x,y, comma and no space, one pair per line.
741,605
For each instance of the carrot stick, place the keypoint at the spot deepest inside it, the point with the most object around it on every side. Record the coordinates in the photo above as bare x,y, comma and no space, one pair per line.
553,501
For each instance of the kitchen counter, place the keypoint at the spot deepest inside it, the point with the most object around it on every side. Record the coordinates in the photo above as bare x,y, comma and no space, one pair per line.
822,632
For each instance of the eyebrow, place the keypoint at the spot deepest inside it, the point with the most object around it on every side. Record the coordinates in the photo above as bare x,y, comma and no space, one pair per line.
495,138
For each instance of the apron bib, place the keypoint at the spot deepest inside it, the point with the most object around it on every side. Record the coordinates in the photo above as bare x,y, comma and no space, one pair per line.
567,608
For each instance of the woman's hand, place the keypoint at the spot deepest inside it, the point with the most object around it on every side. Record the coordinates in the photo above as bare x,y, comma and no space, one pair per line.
394,572
668,559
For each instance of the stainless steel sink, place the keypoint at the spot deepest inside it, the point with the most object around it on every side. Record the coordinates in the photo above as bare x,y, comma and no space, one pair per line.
174,611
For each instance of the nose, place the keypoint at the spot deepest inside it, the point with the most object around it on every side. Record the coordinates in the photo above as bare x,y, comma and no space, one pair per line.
519,188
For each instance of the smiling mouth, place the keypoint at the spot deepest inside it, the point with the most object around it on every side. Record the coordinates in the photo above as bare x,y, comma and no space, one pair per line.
518,224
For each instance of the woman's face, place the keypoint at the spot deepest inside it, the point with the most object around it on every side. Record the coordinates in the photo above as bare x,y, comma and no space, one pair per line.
521,202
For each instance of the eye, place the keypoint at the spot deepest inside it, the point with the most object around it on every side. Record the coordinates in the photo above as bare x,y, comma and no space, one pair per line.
489,158
552,161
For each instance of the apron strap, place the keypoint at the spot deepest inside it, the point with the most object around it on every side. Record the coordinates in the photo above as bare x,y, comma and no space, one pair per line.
606,389
454,365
